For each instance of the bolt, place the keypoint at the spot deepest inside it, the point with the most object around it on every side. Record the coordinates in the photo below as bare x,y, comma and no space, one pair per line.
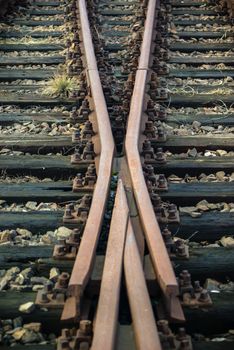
85,327
204,296
162,181
43,298
76,135
172,212
197,287
156,200
160,156
78,180
68,213
65,333
180,248
181,334
164,327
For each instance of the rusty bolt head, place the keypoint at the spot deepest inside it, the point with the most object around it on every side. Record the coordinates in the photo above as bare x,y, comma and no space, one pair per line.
85,327
180,248
68,214
162,181
197,287
204,296
164,327
172,212
63,280
156,200
43,298
160,156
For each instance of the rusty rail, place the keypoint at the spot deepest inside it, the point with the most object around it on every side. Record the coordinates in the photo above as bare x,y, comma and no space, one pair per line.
145,329
160,259
108,304
85,257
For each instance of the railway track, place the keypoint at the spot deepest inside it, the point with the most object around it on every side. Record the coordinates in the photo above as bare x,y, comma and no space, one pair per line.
104,238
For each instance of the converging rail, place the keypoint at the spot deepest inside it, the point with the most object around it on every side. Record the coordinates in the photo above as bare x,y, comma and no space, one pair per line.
108,305
84,260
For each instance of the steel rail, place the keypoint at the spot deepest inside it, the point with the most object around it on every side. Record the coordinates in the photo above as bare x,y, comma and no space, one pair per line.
108,304
160,259
84,261
144,325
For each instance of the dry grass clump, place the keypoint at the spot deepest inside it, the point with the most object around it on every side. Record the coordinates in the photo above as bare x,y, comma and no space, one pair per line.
61,85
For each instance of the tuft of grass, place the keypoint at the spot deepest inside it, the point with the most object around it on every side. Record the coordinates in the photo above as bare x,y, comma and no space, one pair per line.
61,85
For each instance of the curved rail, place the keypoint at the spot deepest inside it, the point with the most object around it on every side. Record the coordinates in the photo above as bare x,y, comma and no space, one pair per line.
85,257
160,259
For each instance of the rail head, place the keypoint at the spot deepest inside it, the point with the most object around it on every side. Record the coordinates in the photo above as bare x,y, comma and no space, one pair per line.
158,252
85,257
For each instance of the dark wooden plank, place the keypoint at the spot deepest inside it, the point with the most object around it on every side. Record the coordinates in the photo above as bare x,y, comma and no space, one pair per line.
216,263
60,191
216,319
34,23
47,3
196,61
10,118
36,222
200,100
32,100
191,193
202,263
196,12
200,142
204,119
116,22
125,341
45,12
210,226
220,315
200,73
22,254
204,34
35,74
31,47
39,34
30,347
9,305
212,345
115,13
196,166
5,61
34,143
189,3
35,165
192,22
